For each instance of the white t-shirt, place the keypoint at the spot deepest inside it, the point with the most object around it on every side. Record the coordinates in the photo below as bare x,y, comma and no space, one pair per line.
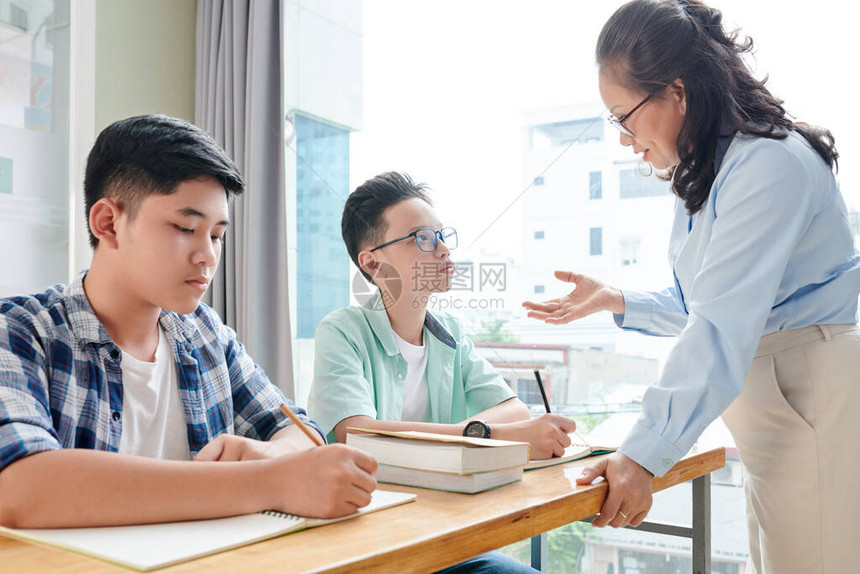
416,393
153,419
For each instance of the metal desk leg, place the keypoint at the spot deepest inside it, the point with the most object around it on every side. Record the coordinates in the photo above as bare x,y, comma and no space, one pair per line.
702,524
539,547
699,532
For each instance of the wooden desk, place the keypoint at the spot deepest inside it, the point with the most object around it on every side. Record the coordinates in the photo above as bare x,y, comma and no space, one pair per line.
439,529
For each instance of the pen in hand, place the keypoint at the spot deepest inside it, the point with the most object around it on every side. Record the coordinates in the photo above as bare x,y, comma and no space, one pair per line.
546,401
311,434
542,391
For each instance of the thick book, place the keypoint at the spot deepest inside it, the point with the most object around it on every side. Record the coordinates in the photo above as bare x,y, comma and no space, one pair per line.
465,483
439,452
150,546
580,447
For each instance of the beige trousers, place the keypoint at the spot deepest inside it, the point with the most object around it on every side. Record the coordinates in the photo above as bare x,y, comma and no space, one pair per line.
797,429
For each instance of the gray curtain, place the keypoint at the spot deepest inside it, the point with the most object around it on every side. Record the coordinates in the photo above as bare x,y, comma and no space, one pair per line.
240,102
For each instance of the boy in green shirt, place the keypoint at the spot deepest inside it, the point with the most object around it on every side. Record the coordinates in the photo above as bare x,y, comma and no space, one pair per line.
390,364
393,365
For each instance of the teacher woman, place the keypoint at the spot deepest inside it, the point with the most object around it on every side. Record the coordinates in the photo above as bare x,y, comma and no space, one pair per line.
764,302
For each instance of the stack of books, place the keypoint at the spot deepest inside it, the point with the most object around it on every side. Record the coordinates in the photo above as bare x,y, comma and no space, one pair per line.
442,462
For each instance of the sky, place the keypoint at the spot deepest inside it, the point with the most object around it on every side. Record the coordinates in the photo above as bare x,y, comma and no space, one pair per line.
446,84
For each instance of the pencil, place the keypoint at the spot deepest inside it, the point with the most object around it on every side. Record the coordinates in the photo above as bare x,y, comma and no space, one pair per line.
542,391
302,426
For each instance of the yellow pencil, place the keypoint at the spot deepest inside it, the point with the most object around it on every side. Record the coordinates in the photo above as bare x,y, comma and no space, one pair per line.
311,434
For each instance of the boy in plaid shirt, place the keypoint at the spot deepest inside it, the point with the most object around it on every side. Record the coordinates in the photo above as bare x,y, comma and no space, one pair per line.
121,395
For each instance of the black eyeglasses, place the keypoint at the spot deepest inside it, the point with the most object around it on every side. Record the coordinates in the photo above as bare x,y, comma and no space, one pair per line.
618,123
427,239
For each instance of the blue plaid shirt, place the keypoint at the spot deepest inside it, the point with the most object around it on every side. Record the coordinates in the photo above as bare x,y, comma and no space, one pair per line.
61,382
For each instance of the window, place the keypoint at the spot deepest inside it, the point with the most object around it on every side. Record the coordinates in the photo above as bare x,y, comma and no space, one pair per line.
630,251
632,184
595,185
564,133
640,562
546,130
18,17
528,392
595,241
34,145
322,183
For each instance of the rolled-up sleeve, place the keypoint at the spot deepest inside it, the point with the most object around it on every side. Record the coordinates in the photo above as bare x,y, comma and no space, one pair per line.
485,388
26,426
256,400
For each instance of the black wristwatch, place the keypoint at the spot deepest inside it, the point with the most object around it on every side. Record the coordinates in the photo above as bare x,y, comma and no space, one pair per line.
477,429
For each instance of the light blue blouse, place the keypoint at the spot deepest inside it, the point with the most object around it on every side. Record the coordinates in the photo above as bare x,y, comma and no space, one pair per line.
770,250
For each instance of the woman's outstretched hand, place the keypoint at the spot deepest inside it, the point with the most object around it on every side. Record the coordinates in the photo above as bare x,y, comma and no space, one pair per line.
588,296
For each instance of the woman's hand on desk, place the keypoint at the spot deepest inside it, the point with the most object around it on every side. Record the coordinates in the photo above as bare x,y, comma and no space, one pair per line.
547,434
588,296
323,482
630,487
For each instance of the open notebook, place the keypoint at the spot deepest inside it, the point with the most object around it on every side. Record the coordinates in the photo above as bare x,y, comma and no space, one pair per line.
581,447
150,546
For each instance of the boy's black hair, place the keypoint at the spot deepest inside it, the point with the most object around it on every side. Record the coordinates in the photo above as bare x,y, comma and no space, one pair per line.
362,223
144,155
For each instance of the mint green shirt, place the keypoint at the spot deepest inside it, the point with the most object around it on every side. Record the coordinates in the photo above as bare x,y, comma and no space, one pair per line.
358,370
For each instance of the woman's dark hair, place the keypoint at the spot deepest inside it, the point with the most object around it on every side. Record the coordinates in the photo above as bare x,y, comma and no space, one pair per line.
647,44
140,156
362,222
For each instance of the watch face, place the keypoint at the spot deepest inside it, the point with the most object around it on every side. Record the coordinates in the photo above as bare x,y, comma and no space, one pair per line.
477,429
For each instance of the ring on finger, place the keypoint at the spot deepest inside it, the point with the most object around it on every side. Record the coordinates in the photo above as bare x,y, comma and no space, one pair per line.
622,515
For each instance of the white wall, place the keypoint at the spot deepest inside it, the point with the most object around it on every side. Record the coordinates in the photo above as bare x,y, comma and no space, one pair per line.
129,58
145,59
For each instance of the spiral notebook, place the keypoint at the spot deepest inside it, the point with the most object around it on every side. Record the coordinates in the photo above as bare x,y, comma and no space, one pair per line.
151,546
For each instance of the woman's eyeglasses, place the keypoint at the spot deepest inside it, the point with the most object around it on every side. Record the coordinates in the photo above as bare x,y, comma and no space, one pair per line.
428,239
619,122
